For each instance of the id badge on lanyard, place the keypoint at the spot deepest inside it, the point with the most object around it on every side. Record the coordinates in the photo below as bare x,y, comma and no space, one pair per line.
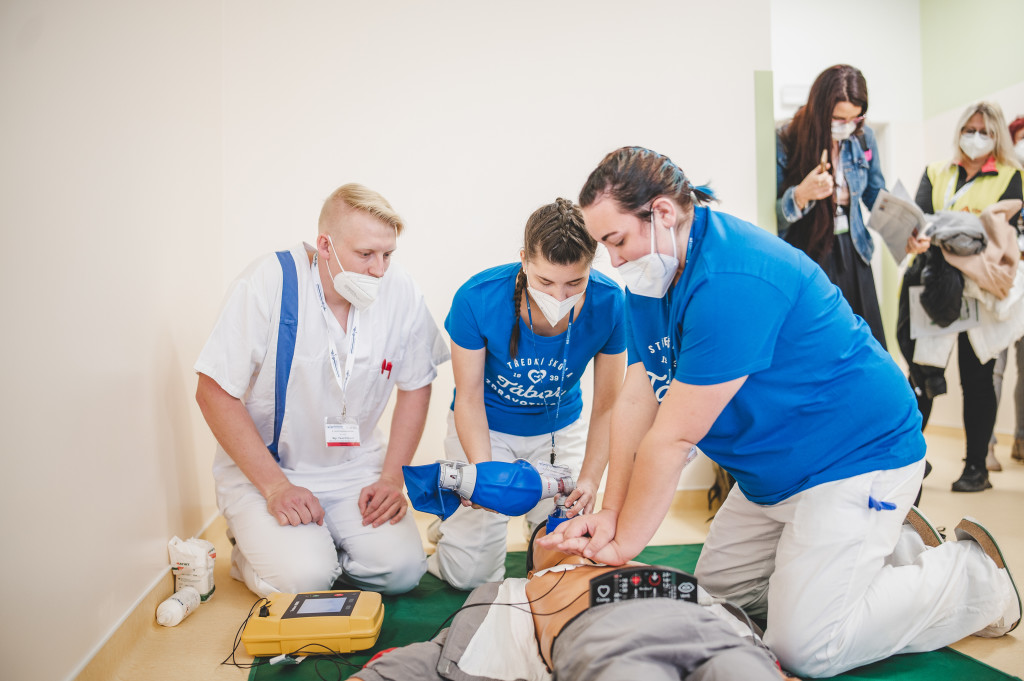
339,431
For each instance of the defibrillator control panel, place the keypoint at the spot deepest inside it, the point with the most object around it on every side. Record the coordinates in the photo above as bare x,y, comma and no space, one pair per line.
642,581
315,623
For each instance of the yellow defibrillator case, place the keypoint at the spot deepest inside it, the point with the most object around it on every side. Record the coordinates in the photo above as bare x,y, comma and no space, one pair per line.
311,623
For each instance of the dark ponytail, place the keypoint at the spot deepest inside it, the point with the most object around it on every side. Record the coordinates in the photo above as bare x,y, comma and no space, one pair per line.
633,176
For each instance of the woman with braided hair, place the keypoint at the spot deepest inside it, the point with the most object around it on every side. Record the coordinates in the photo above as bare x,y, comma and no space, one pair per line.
522,336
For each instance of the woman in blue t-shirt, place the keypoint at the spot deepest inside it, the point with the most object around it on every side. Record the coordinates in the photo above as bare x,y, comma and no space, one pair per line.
738,342
522,336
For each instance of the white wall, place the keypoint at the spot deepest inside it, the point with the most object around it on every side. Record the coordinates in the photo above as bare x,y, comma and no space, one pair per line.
110,206
469,116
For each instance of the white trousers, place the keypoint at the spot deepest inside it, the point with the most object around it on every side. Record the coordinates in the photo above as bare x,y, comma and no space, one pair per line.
471,549
822,565
293,559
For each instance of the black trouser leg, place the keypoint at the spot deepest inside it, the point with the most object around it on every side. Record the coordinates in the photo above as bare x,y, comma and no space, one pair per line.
979,401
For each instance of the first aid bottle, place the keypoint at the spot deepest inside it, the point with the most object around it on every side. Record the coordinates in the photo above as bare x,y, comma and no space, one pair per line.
179,606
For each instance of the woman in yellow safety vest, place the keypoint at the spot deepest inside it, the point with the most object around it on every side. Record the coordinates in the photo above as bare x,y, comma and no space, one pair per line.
982,172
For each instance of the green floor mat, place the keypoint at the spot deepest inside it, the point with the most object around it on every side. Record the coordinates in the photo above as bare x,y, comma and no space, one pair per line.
416,616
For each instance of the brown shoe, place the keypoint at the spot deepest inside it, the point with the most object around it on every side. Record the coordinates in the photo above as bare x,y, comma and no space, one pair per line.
971,529
929,535
1017,452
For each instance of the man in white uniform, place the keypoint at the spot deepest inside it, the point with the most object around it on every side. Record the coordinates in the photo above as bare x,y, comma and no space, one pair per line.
324,498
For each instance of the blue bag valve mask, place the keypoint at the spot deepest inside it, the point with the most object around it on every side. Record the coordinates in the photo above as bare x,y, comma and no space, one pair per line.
509,488
426,494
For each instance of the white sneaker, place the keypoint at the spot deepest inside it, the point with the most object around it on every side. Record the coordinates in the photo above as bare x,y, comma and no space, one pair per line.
971,529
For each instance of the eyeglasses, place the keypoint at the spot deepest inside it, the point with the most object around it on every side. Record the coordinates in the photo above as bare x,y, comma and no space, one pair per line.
858,120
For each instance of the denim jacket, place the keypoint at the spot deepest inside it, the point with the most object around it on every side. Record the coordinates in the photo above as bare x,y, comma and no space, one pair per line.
863,177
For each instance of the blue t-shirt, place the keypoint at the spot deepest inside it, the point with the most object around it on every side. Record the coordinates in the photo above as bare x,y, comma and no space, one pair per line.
516,390
823,401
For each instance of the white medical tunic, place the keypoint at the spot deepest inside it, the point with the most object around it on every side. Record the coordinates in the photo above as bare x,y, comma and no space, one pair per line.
398,344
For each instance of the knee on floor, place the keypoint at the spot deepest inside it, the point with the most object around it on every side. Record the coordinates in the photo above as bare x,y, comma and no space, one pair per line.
298,573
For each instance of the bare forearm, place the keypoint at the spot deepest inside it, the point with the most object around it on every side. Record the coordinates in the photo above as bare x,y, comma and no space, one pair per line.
608,376
234,429
471,426
652,485
596,457
407,423
631,418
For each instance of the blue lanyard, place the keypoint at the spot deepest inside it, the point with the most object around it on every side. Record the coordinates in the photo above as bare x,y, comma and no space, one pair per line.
673,351
565,366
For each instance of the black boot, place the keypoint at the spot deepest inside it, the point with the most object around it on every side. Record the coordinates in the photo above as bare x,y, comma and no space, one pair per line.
973,479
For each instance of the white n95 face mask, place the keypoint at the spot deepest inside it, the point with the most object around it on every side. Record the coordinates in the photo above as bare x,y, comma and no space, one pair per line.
553,309
841,131
975,145
1018,149
359,289
651,275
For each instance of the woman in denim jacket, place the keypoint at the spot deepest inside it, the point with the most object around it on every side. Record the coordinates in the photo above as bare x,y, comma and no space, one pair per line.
826,164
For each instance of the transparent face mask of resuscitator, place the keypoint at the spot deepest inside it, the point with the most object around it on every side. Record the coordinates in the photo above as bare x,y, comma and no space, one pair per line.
359,289
651,275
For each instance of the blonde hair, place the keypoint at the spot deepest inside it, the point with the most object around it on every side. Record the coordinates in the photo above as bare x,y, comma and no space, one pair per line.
995,126
355,196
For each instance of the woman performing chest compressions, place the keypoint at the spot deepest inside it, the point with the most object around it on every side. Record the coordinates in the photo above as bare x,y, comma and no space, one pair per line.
522,336
739,343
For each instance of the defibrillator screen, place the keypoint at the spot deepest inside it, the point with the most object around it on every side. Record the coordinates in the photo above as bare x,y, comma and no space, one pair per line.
321,604
322,607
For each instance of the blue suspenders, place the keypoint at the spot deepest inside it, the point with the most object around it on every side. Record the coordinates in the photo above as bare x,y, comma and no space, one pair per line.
287,327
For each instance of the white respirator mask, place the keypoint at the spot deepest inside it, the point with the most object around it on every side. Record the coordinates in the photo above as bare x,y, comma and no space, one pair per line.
359,289
651,275
976,145
553,309
841,130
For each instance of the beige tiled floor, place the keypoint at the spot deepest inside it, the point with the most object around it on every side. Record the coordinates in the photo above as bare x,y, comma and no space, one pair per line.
194,649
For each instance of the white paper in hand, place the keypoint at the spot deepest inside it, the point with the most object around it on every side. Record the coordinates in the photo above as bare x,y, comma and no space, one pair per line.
896,217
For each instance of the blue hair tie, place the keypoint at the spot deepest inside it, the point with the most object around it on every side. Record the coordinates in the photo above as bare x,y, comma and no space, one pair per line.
704,189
